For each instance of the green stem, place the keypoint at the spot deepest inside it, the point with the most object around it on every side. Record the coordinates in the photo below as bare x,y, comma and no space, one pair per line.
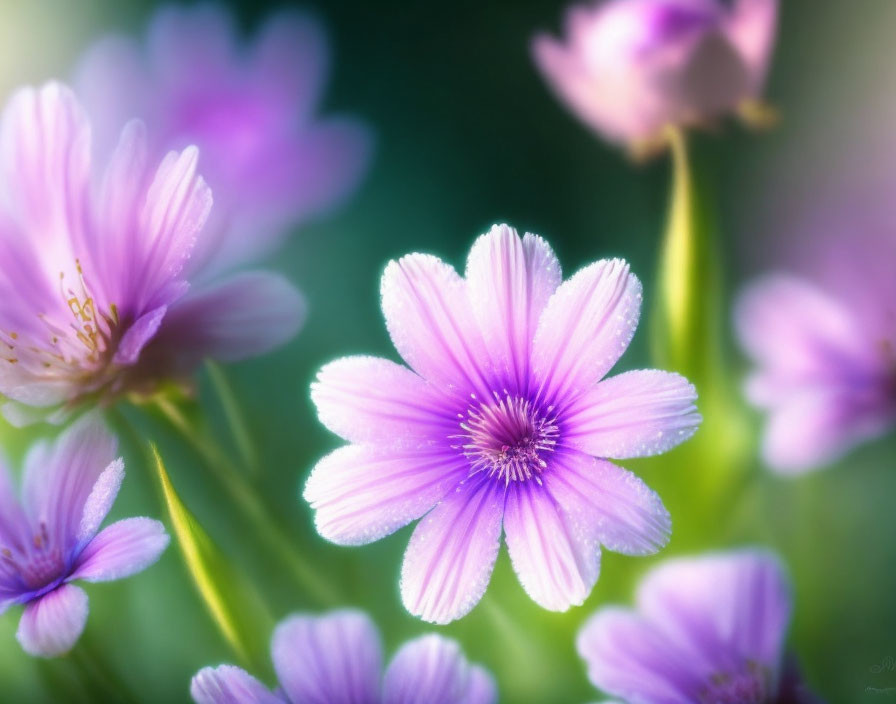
688,336
249,502
236,420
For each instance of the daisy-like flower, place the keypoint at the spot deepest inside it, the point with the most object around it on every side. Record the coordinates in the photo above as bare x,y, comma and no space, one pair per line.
707,630
269,158
630,68
96,298
502,420
824,345
52,537
337,658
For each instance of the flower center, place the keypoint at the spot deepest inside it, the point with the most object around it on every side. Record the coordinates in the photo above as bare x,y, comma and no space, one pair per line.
75,343
508,437
750,686
36,564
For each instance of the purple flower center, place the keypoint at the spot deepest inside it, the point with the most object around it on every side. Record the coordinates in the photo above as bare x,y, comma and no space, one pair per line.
750,686
508,437
37,564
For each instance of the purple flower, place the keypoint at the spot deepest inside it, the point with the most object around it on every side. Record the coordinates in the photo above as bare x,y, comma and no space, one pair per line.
502,419
825,350
707,630
96,296
337,659
52,537
269,159
629,68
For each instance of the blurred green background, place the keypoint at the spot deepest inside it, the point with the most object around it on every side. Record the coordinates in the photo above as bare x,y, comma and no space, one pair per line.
467,135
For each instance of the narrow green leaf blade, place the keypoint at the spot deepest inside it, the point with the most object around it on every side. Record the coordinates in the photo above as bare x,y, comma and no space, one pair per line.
233,604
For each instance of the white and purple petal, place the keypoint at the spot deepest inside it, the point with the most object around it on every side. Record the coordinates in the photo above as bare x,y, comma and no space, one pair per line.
374,400
51,624
556,557
227,684
509,282
452,552
60,477
120,550
586,326
361,493
336,657
635,414
431,323
427,670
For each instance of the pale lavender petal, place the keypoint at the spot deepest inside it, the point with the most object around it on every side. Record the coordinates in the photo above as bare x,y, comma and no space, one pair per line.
227,684
568,76
509,281
481,688
427,670
791,326
449,560
751,28
59,478
189,44
244,316
52,624
636,414
45,147
118,204
556,558
332,659
100,500
431,323
13,524
176,207
112,82
608,504
818,373
814,427
292,60
722,610
628,659
121,550
368,399
304,174
362,493
138,335
586,326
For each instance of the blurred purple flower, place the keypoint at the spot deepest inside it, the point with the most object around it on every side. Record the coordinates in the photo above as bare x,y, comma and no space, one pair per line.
270,160
707,630
502,418
92,266
629,68
51,537
825,347
337,659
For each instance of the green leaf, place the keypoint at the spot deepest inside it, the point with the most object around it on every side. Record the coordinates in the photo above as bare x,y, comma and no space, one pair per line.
232,602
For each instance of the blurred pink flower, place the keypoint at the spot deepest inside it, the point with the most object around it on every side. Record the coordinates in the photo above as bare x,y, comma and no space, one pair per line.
502,423
824,343
96,297
337,658
629,68
270,160
707,630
